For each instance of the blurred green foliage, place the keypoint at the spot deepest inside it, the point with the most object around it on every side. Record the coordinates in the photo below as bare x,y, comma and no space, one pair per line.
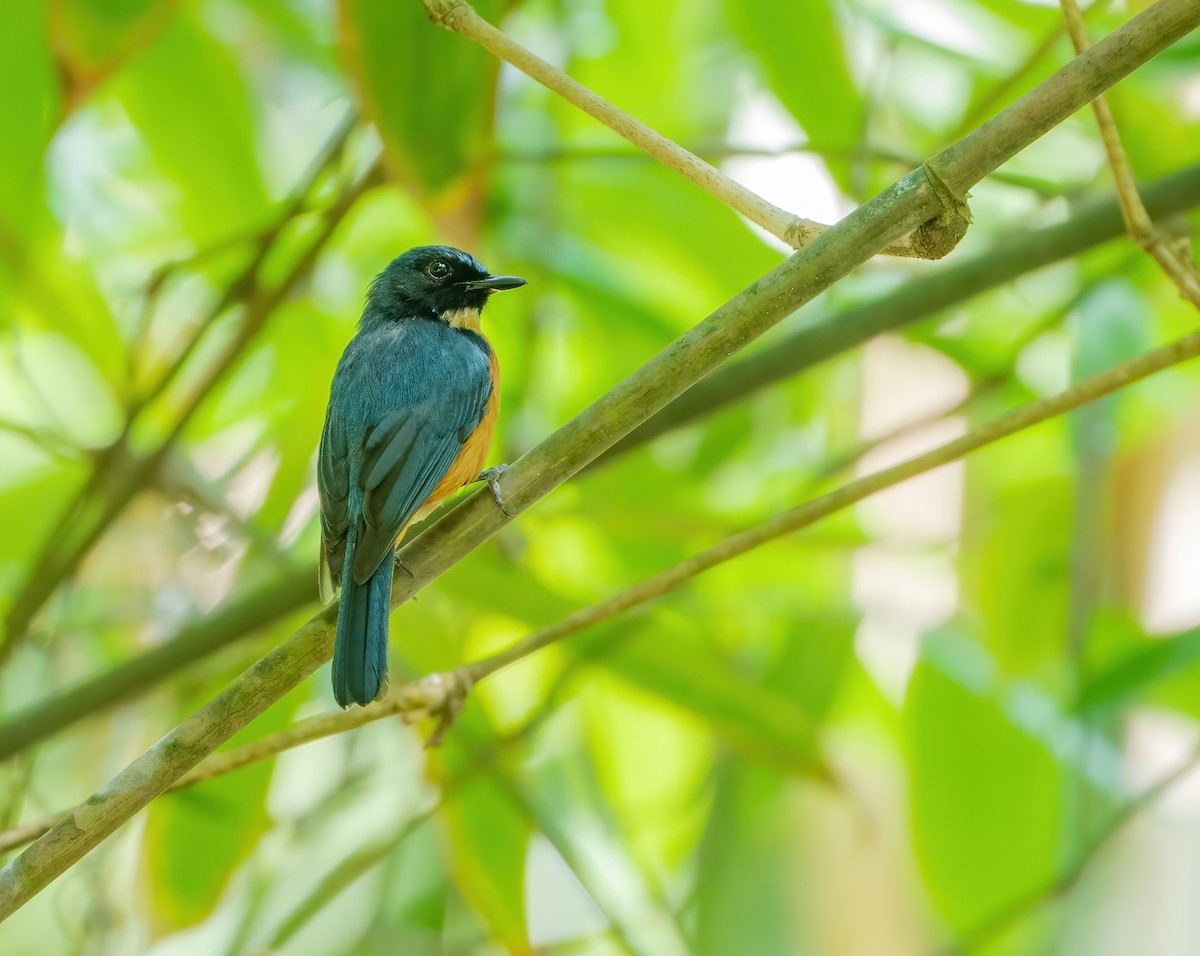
874,737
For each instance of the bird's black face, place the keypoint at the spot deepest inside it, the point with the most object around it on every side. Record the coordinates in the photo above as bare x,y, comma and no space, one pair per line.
438,282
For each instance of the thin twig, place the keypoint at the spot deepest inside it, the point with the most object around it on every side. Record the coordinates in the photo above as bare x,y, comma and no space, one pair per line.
983,388
302,732
900,209
18,836
721,150
181,481
247,283
1174,256
217,765
461,18
849,494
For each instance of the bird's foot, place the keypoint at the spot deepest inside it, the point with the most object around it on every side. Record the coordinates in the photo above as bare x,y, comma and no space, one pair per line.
437,695
401,565
492,477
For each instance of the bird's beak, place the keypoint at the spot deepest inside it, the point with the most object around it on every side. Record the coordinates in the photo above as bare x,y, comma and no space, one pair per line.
495,283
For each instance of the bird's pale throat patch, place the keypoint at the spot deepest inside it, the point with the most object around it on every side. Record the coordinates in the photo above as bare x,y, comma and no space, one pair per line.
465,318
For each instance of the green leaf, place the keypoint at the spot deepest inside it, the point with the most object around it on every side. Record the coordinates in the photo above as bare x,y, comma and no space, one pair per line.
428,91
1018,563
800,50
488,838
986,796
415,890
745,859
1137,673
1111,327
190,103
603,834
196,838
93,35
28,115
31,498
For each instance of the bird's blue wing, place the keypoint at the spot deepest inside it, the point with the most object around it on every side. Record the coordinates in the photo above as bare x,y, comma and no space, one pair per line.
406,456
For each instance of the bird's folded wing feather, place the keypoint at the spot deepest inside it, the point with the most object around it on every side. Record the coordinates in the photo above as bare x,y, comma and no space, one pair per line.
437,401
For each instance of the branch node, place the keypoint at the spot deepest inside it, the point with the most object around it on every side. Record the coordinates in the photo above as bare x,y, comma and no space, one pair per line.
937,237
439,695
800,232
445,12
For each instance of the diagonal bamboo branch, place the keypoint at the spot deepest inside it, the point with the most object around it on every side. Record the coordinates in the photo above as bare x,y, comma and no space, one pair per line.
460,17
917,198
302,732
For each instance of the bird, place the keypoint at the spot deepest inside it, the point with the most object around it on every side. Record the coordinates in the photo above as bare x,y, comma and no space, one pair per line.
411,412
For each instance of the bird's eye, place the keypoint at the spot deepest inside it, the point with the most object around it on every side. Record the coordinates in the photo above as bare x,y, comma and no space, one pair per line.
438,269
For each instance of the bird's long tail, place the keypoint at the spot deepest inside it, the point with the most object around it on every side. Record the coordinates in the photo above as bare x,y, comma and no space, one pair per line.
360,653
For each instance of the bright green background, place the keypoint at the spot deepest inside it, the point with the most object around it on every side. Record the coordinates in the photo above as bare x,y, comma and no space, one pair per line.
870,738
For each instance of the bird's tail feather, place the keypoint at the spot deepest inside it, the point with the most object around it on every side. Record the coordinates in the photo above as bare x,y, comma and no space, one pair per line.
360,653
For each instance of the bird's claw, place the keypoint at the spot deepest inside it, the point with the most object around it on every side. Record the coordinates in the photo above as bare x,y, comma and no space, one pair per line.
492,477
401,565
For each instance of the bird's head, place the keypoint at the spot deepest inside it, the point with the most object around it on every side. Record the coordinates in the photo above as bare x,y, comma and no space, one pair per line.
437,282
